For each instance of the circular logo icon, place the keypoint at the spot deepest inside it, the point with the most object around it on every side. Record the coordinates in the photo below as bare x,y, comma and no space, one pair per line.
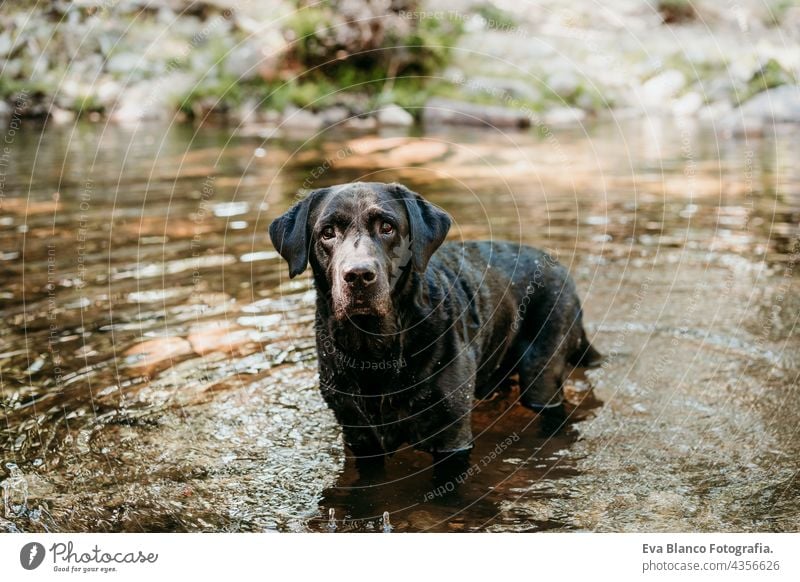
31,555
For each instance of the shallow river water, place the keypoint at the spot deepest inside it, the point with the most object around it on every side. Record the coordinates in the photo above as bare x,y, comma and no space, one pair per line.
157,369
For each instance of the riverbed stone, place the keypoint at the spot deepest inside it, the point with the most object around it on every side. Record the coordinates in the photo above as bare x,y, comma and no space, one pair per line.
296,119
564,116
439,111
156,352
334,115
564,83
688,104
124,63
778,105
361,123
152,99
658,90
394,115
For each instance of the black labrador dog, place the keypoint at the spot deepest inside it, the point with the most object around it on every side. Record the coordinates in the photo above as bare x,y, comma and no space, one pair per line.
409,330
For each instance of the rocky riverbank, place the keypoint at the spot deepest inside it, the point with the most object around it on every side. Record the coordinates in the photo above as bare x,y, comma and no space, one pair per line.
305,66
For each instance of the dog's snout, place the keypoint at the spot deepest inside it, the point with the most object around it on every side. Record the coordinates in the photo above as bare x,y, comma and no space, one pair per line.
361,274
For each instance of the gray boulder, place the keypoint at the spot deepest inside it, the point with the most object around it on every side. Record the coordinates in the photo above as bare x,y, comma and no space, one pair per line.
657,91
300,120
564,116
778,105
764,110
394,115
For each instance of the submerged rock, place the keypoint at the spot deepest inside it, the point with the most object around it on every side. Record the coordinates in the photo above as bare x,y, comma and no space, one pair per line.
152,353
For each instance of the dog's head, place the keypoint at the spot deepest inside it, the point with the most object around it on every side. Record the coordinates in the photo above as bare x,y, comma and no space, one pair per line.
361,239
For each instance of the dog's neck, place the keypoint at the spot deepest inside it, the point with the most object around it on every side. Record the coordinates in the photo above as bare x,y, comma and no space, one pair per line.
367,337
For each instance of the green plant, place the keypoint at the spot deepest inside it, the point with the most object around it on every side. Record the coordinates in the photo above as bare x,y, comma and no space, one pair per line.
222,91
495,16
87,104
770,75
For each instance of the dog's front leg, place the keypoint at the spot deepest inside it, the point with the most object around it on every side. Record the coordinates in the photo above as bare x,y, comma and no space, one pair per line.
366,449
445,428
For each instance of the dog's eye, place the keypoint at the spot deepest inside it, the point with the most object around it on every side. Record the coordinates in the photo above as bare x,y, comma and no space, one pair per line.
386,228
328,233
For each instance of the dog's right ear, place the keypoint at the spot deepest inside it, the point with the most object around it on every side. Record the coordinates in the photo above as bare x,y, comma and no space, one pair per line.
289,232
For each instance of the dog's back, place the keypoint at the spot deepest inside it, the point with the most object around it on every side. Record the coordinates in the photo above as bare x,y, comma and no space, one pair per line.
519,304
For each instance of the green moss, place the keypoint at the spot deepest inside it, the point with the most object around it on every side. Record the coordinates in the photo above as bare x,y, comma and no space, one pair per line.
456,92
305,26
590,95
495,17
298,92
769,76
430,45
87,104
9,88
224,92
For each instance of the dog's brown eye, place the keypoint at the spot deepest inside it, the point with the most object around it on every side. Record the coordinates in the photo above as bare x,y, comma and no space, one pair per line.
328,233
386,228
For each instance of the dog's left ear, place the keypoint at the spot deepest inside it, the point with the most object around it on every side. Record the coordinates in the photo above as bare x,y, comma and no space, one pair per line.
428,224
289,232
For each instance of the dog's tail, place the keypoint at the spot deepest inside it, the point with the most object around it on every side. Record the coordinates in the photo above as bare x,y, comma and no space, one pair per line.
586,355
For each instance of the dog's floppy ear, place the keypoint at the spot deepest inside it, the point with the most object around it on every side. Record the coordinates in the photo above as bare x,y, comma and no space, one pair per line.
289,233
428,224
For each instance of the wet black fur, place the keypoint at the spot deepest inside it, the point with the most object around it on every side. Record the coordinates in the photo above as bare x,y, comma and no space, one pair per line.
464,317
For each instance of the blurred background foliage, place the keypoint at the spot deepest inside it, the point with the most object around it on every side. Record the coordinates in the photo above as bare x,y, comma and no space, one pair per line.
251,61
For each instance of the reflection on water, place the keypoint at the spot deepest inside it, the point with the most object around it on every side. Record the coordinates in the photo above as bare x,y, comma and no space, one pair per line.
157,367
516,455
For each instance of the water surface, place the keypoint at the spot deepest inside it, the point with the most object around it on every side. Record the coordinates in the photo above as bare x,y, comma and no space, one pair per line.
157,369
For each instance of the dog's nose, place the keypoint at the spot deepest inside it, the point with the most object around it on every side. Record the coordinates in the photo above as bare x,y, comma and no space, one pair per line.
361,274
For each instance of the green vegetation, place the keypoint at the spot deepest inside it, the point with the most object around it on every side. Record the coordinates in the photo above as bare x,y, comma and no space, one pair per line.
768,76
495,17
776,11
400,64
390,63
218,94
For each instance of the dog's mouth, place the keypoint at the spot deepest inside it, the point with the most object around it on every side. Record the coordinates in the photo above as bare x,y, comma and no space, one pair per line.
361,310
360,305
